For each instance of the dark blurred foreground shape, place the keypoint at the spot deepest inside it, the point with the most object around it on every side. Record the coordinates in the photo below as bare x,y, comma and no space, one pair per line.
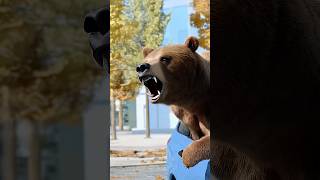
266,94
96,24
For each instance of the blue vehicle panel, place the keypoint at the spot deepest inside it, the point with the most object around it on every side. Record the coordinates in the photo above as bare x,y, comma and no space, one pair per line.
175,166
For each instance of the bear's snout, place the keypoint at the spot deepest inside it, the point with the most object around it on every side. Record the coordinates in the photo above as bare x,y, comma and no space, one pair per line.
141,68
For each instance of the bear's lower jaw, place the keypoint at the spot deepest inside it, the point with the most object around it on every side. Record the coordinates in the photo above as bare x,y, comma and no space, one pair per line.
156,98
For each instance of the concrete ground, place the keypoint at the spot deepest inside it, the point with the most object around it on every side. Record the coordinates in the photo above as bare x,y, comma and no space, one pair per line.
127,140
135,157
148,172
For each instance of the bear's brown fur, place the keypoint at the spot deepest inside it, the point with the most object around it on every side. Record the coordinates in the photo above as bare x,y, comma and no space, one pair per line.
184,75
190,120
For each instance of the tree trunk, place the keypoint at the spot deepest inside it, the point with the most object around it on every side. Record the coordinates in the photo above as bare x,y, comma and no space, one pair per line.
9,138
113,123
120,117
147,117
34,161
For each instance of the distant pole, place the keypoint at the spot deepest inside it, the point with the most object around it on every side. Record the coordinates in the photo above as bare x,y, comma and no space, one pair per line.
113,123
8,137
120,116
34,161
147,117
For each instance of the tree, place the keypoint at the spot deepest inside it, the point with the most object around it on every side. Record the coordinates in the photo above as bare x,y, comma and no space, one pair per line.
9,142
120,116
16,41
116,24
46,65
201,20
112,113
152,22
123,82
134,24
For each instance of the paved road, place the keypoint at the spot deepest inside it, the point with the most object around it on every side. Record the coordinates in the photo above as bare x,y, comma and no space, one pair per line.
138,168
127,140
148,172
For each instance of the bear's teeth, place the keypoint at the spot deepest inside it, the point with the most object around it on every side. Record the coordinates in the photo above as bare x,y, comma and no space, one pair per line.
155,97
155,79
158,92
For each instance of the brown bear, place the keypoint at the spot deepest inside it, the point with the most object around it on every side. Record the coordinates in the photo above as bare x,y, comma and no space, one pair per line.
266,86
176,75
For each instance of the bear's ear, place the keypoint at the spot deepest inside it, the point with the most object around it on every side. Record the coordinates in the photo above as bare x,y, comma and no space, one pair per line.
192,43
146,51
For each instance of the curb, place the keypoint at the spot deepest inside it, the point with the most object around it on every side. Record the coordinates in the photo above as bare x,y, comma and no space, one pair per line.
133,165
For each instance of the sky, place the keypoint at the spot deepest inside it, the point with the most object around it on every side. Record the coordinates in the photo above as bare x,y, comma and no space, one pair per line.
179,27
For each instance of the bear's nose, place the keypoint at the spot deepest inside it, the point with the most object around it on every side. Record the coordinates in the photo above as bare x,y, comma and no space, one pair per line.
142,67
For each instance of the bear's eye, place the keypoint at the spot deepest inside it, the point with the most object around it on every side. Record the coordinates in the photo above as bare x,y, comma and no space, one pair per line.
165,60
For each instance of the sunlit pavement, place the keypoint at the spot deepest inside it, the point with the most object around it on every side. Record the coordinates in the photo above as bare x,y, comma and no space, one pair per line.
134,149
127,140
140,158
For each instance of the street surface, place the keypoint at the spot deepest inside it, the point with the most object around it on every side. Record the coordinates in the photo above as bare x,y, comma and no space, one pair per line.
134,157
148,172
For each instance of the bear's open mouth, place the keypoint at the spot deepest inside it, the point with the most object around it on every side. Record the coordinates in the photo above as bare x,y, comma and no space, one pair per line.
154,86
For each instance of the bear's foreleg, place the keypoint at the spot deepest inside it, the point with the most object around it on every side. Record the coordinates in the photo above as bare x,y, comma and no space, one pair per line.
197,151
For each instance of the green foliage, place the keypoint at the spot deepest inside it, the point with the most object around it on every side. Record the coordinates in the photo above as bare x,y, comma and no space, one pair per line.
134,24
151,22
201,20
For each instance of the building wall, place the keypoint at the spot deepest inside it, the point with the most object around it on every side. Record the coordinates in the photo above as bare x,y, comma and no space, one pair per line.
160,118
178,27
96,122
